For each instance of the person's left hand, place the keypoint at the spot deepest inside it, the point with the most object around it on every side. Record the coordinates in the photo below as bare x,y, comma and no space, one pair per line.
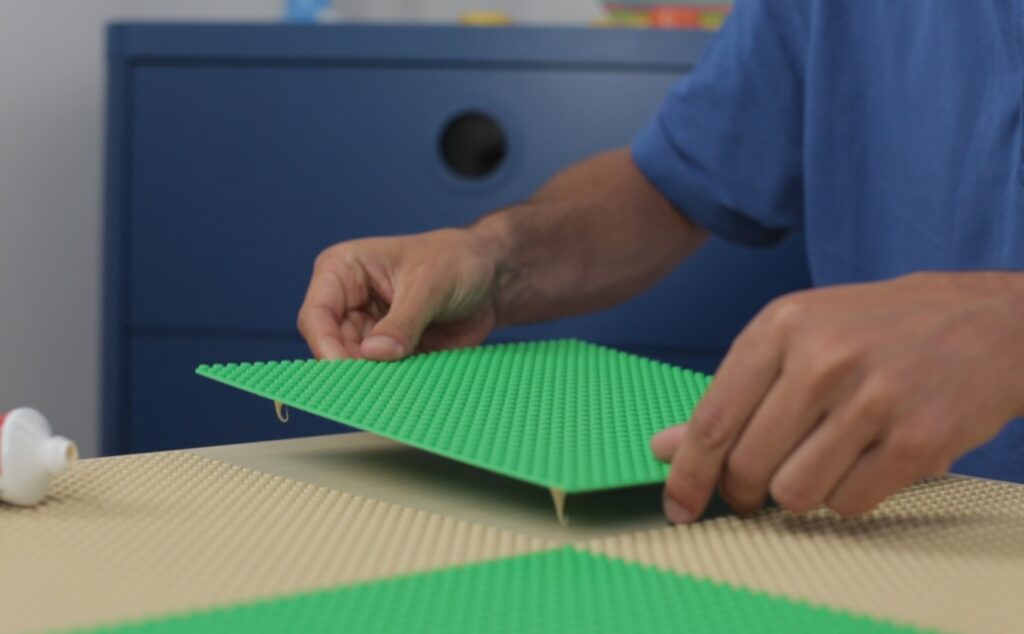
844,395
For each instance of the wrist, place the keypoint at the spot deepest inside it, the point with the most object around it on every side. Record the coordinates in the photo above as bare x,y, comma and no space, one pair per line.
1016,284
494,235
1008,286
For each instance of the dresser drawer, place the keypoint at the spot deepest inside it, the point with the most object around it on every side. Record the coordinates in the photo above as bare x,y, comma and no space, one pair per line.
169,407
236,153
242,175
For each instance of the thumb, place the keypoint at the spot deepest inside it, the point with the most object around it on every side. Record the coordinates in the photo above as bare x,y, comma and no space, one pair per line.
398,333
664,443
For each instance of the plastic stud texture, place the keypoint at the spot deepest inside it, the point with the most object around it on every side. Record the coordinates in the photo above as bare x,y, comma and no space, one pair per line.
555,591
562,414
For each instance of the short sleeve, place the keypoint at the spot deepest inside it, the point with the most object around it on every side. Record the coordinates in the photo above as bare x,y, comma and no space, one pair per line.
725,147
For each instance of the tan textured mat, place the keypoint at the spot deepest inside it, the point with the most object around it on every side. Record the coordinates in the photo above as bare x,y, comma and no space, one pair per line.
947,554
137,535
382,469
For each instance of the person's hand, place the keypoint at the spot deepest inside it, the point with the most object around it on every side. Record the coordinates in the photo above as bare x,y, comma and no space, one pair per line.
842,396
386,298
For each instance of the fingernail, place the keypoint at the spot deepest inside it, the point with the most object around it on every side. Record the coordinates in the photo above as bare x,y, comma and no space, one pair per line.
381,347
676,513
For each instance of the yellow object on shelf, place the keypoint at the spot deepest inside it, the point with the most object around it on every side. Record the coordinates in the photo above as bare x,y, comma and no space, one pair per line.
629,18
485,18
712,20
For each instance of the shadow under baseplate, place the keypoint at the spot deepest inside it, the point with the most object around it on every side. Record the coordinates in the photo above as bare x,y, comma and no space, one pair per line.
364,464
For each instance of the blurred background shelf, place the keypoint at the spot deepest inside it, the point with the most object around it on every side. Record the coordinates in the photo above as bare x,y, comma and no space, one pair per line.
237,152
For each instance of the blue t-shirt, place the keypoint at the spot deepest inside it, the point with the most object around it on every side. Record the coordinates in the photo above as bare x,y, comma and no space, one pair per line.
889,132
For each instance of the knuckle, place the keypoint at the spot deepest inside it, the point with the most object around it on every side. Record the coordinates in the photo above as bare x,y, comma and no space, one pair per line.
706,430
744,486
753,344
323,259
916,445
785,313
879,396
793,495
832,360
341,253
751,335
686,485
742,475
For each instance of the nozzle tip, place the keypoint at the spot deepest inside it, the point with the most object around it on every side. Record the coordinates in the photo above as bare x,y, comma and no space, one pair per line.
58,454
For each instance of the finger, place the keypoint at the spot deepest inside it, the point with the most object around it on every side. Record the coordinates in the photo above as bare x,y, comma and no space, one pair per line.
398,332
355,328
787,414
805,480
364,322
327,299
352,338
881,471
461,334
664,443
320,329
746,375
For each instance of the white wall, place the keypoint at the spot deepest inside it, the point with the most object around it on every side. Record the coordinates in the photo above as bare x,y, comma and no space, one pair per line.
51,150
51,112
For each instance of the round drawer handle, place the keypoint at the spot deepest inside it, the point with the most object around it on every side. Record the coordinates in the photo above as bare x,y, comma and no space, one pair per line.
473,145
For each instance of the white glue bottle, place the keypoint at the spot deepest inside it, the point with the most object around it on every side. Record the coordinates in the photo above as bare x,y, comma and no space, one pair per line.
29,456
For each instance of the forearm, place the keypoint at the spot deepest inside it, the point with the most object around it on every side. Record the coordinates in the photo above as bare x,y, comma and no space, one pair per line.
1001,295
1015,307
594,235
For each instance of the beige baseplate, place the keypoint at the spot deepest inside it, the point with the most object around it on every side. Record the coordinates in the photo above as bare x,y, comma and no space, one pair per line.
281,410
558,496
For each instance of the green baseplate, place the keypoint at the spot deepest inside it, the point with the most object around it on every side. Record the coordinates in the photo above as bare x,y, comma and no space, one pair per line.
555,591
563,414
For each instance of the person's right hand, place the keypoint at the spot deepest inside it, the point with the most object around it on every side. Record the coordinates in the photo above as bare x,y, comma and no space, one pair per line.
386,298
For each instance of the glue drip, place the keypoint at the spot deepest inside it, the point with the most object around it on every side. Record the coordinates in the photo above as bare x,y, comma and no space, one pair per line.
30,456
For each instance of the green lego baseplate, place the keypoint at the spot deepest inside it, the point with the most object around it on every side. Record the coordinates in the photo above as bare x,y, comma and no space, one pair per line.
560,591
564,414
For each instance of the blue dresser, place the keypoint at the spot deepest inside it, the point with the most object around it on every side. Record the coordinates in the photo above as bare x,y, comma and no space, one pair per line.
236,153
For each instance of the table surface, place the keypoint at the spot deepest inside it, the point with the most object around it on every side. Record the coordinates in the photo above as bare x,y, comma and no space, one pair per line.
135,536
382,469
